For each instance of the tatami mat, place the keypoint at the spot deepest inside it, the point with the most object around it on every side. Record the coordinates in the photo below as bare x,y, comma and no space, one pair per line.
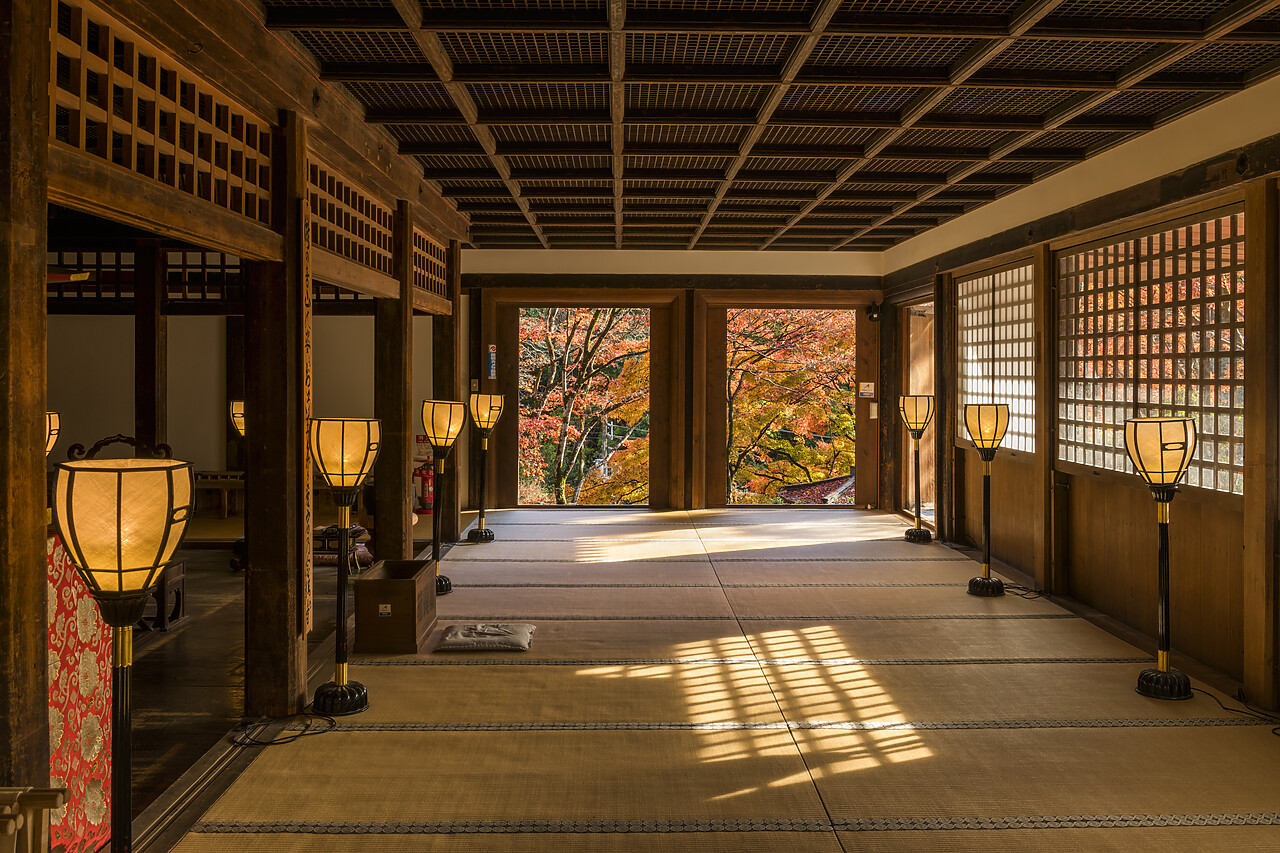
752,680
532,603
528,775
636,692
499,842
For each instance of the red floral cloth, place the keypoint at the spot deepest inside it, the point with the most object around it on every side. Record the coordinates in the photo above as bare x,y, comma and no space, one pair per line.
79,708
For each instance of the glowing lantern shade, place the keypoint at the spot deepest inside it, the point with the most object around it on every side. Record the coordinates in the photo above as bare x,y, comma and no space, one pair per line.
121,519
442,420
1160,448
344,450
485,411
987,423
237,415
916,411
52,426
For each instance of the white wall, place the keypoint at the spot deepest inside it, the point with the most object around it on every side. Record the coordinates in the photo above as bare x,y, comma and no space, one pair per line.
90,378
198,391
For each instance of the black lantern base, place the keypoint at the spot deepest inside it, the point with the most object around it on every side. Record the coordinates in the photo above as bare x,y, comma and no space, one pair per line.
479,535
986,587
1164,684
339,700
444,586
918,534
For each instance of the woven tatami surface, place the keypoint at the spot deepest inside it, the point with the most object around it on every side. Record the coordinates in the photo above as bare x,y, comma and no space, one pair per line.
688,691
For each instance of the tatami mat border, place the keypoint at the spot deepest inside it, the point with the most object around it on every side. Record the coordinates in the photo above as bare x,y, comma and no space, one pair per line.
695,585
702,558
455,661
787,617
804,725
900,824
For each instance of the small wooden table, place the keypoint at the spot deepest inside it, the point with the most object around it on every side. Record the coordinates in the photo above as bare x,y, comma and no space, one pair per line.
226,483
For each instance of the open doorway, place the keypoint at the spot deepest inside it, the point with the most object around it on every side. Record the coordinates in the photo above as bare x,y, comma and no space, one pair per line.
790,397
918,366
584,383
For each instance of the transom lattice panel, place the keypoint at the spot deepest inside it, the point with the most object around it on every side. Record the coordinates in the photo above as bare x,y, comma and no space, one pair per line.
348,221
995,350
429,267
116,96
1154,326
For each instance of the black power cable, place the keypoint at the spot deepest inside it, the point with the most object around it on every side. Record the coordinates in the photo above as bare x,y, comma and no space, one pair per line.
246,734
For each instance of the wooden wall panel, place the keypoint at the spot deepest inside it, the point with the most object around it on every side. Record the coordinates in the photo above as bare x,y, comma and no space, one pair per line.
1111,564
1016,531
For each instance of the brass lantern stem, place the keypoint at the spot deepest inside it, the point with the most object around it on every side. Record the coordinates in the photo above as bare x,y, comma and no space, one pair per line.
1162,512
122,646
986,518
915,440
344,554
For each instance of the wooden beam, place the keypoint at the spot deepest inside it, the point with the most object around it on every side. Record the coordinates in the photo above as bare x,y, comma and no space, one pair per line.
1045,287
278,478
393,400
447,383
84,182
332,268
1262,449
617,108
150,345
24,135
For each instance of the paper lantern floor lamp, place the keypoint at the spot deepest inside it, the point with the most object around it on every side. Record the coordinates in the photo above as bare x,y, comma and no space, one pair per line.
120,521
485,411
986,423
1161,449
916,411
442,421
343,451
237,416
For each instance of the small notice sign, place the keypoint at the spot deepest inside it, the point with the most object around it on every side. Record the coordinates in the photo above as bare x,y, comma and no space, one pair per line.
493,361
384,609
866,389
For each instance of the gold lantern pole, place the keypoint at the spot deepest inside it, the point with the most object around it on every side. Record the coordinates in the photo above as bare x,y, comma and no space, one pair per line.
343,450
1161,449
442,421
986,423
120,521
485,411
916,411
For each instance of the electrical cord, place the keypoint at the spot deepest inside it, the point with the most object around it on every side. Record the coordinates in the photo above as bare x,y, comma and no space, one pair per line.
1023,591
246,734
1247,711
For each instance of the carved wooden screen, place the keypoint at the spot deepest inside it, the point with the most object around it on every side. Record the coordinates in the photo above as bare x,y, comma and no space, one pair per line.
348,221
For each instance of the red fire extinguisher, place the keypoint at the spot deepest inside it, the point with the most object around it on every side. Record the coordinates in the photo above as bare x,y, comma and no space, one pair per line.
426,488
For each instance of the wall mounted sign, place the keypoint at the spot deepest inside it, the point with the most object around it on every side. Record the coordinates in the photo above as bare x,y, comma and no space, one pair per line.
493,361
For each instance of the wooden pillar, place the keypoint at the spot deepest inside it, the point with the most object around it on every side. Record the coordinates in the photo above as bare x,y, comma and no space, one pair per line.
447,383
235,389
717,408
150,345
24,143
393,400
884,351
1046,393
1262,445
504,463
278,471
944,389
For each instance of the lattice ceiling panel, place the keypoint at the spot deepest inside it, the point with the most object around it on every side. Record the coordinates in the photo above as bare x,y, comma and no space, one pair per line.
526,48
710,88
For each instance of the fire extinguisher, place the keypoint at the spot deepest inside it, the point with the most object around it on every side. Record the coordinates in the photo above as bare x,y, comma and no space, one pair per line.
426,488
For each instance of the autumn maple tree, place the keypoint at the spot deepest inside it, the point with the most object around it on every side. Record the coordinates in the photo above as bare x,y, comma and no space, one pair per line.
584,405
790,396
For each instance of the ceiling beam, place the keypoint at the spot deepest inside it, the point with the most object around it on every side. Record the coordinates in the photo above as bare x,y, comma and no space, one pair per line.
1156,59
617,107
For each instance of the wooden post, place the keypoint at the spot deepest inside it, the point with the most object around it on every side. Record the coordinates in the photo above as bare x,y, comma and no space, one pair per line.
1046,391
278,467
447,384
1262,445
235,389
24,144
887,353
392,400
717,407
944,389
150,345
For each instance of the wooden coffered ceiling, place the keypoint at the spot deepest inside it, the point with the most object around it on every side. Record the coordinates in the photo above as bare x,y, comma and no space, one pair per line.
778,124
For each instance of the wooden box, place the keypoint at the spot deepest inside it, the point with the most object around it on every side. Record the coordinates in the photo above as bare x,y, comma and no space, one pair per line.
395,607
